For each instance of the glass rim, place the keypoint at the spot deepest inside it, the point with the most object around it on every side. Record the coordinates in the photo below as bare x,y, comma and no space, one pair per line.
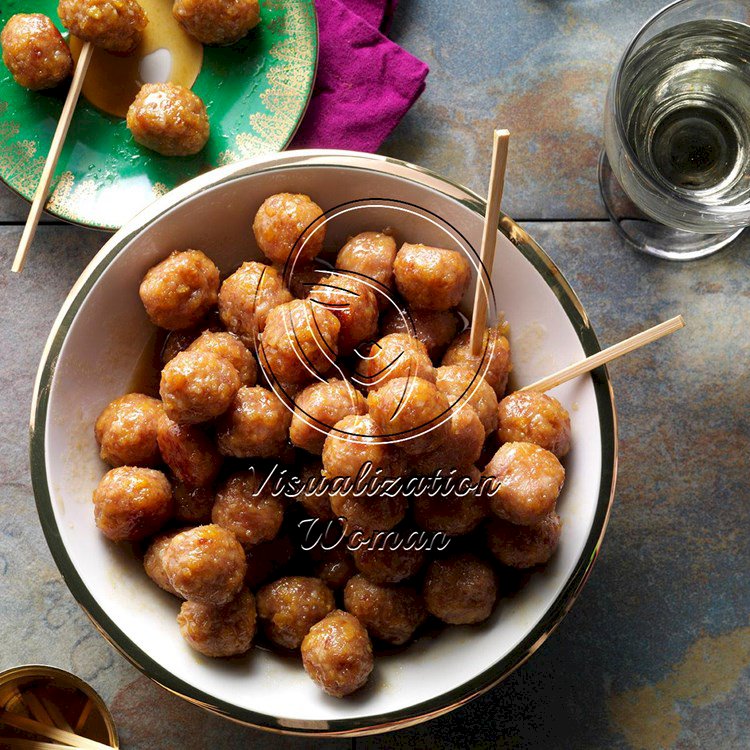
728,210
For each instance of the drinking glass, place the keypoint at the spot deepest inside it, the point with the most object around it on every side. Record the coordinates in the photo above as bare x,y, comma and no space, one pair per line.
675,170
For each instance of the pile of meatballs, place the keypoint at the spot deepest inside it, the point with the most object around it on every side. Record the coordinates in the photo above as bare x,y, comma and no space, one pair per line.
266,368
164,117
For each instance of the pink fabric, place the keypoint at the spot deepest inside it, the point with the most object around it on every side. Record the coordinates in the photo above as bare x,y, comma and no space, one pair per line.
365,84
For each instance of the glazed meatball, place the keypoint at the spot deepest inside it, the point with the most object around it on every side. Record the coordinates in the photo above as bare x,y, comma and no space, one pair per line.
205,564
462,445
434,328
131,503
286,223
493,363
114,25
227,630
454,513
412,411
335,567
530,417
527,482
179,340
320,406
247,508
370,255
255,426
431,278
193,504
353,303
168,119
189,452
355,441
197,386
314,497
462,384
369,513
289,607
460,590
126,431
390,613
266,560
386,564
178,292
229,347
35,52
337,654
216,22
524,546
396,355
299,342
153,561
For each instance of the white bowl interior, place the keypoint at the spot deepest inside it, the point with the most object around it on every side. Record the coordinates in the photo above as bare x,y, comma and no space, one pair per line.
96,364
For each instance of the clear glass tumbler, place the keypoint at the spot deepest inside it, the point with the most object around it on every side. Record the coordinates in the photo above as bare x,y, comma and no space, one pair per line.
675,172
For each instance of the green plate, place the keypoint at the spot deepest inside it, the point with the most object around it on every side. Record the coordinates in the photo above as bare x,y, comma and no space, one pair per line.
255,91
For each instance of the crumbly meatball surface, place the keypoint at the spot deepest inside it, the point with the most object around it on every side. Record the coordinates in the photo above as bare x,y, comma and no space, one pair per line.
353,303
337,654
189,452
524,546
193,504
434,328
390,613
396,355
289,607
35,52
286,222
527,482
248,296
247,508
462,384
216,22
256,425
411,411
169,119
462,446
456,513
369,513
131,503
153,561
197,386
460,590
431,278
179,292
370,256
227,630
492,363
114,25
229,347
318,408
126,431
314,495
531,417
388,565
206,564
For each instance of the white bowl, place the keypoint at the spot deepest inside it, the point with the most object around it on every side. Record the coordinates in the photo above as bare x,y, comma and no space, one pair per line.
89,359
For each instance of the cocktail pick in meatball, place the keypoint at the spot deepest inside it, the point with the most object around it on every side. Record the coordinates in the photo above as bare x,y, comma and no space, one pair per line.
114,25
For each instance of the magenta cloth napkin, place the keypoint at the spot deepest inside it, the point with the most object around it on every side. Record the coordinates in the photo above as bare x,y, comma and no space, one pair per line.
365,84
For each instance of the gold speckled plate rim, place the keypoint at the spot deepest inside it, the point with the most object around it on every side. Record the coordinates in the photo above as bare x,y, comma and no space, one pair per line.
362,725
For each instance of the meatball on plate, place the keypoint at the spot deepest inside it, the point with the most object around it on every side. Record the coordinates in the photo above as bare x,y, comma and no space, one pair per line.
236,83
232,612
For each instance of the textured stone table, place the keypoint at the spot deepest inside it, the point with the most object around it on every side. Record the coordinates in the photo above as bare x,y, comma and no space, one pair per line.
655,653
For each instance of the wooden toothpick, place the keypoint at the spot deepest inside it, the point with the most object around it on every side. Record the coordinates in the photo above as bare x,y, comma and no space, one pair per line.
489,237
607,355
58,140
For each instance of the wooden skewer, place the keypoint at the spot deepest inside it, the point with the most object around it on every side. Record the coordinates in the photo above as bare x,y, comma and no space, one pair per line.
56,715
85,713
607,355
42,190
489,237
38,711
52,733
21,744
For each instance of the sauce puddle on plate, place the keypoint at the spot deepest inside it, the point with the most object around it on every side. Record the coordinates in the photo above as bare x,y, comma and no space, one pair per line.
167,53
